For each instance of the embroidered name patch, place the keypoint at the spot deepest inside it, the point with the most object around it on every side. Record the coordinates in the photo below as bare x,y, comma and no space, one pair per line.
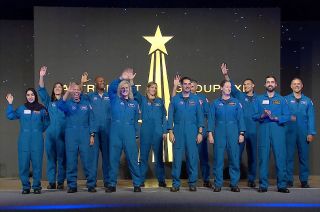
276,102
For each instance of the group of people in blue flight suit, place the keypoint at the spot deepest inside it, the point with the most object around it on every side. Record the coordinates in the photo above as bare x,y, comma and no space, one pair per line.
85,124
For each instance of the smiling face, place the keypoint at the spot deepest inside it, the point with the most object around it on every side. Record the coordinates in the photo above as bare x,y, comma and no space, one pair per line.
57,89
226,88
186,86
296,85
194,87
100,83
152,90
30,96
125,90
248,86
76,92
270,84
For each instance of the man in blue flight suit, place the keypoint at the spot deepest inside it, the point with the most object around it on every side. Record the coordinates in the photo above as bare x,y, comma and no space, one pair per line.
80,132
271,113
101,108
247,99
185,123
300,132
203,146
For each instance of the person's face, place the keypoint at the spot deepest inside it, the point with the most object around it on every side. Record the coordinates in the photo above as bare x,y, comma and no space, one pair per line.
270,84
226,89
186,86
194,87
152,90
76,91
296,85
100,83
30,96
248,86
57,89
124,90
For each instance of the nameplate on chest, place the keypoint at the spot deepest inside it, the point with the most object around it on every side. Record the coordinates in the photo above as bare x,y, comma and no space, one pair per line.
27,112
276,102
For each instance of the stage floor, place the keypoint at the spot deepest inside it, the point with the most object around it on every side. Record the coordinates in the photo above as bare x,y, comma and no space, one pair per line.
161,199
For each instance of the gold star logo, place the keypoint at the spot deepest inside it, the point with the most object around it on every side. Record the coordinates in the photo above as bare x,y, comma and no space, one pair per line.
157,41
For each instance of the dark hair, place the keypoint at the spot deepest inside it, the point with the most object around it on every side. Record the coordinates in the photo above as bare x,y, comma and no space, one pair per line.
297,78
53,96
223,82
184,78
271,76
194,81
249,80
34,92
34,106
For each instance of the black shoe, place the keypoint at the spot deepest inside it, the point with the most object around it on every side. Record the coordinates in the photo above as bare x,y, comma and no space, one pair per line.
235,189
217,189
60,186
192,188
92,190
110,189
25,191
305,184
105,185
162,184
72,190
142,185
207,184
262,190
251,184
37,191
283,190
290,184
174,189
137,189
52,186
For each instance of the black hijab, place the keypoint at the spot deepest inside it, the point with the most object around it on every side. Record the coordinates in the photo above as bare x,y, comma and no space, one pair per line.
34,106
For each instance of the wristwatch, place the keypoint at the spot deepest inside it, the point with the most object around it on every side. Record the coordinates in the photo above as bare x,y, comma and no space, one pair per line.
92,134
242,133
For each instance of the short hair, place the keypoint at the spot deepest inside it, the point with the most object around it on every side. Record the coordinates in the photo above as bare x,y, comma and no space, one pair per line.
223,82
194,81
249,80
297,78
271,76
184,78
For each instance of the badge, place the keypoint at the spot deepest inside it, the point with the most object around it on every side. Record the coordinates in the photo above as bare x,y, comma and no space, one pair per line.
84,107
95,98
246,99
181,102
121,103
220,104
276,102
232,103
27,112
192,103
293,101
200,101
131,105
53,104
304,102
73,107
149,103
106,98
157,104
265,102
36,112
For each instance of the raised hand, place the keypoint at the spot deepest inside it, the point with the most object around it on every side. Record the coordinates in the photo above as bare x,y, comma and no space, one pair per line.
43,71
84,78
176,80
9,98
224,69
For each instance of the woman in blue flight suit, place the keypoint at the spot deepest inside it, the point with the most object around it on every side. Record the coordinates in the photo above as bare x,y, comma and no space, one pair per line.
79,137
123,132
153,131
226,123
34,120
54,143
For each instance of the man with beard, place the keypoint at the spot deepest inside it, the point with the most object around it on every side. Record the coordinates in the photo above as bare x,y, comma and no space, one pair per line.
101,109
271,113
300,132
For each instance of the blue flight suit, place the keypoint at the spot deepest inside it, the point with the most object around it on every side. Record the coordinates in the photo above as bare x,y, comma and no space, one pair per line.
101,108
203,146
226,121
185,118
30,143
297,133
250,141
272,134
154,125
79,125
54,141
123,132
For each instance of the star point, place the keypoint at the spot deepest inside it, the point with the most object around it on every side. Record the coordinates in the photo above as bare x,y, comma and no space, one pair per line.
158,41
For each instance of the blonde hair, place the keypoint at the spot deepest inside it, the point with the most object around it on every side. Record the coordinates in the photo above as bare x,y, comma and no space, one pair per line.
149,85
123,82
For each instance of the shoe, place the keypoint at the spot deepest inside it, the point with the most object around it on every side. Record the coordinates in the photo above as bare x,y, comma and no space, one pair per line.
25,191
174,189
110,189
37,191
137,189
60,186
192,188
162,184
92,190
262,190
105,185
142,185
305,184
217,189
51,186
207,184
283,190
251,184
72,190
235,189
290,184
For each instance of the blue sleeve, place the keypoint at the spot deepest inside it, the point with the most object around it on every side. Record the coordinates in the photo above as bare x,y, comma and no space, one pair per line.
92,120
211,118
205,107
11,113
164,119
285,115
170,115
113,89
200,118
136,118
44,96
241,124
235,92
62,105
137,95
45,119
311,119
257,114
